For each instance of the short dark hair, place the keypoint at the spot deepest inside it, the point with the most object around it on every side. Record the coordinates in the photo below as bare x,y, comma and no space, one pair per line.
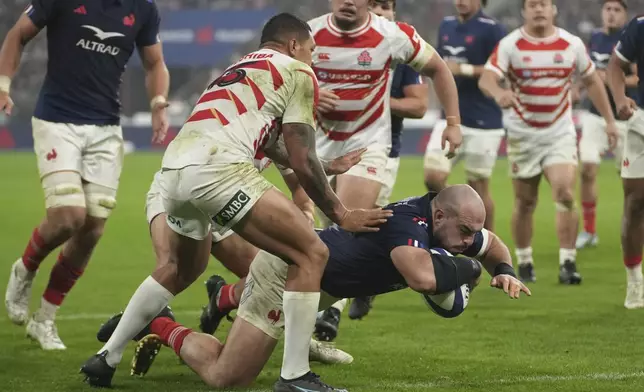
282,26
524,1
622,2
384,3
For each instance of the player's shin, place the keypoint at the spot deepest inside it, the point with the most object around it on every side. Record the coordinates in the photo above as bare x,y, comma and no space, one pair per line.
588,190
148,300
300,311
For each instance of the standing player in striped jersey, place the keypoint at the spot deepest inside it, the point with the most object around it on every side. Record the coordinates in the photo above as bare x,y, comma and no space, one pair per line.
355,52
77,136
409,99
466,41
593,141
630,50
540,59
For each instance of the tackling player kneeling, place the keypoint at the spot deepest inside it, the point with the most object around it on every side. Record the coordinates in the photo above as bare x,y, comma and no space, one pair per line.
208,178
396,257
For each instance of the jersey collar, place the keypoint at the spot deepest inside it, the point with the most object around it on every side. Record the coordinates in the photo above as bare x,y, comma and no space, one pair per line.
545,40
357,31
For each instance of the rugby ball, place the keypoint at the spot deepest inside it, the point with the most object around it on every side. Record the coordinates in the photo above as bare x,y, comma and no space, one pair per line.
448,305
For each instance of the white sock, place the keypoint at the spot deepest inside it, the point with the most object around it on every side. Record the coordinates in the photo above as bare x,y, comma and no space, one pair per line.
47,311
634,274
340,304
148,300
300,310
567,254
524,255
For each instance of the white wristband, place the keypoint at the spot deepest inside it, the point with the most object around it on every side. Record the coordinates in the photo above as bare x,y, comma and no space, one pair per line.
159,99
5,84
467,69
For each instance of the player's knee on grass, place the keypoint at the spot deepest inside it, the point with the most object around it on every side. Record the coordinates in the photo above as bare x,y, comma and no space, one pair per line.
99,200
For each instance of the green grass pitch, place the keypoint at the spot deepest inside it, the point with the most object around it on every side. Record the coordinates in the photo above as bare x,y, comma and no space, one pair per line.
560,339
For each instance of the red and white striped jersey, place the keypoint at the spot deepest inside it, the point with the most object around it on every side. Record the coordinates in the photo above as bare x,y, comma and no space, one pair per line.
355,65
241,111
540,72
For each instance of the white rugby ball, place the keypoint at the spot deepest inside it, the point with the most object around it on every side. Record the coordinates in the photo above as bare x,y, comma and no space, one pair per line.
451,304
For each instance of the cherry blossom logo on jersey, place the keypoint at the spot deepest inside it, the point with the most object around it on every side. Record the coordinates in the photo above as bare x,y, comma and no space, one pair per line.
365,59
559,58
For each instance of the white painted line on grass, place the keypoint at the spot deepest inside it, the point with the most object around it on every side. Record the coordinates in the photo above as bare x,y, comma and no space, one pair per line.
105,316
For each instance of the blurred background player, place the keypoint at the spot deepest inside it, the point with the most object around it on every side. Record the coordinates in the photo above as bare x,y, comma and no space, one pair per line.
540,59
409,99
630,50
593,141
77,136
466,41
355,50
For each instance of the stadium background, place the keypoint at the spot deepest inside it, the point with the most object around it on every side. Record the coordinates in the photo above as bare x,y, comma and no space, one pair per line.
561,339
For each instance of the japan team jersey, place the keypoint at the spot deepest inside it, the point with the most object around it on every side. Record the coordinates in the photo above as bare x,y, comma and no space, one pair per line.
540,72
241,111
472,42
360,263
88,45
630,49
600,47
355,65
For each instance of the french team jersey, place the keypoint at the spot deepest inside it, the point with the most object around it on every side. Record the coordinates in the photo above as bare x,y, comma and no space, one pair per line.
240,112
600,47
472,42
355,65
404,76
540,72
360,264
629,49
89,44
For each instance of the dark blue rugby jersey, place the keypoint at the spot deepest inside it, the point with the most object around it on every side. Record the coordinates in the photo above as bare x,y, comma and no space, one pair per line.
630,48
89,43
360,264
404,76
472,42
600,47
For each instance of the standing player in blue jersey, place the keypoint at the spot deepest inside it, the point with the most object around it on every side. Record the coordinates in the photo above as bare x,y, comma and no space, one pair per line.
409,99
77,137
594,141
630,50
466,41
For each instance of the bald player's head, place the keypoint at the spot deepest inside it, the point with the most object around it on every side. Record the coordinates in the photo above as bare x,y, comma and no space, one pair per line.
457,214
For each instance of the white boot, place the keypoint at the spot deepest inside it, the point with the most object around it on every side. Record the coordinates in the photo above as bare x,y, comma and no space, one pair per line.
18,293
327,353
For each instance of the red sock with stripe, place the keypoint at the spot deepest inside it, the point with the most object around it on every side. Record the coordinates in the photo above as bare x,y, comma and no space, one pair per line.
36,251
62,279
588,208
171,333
226,298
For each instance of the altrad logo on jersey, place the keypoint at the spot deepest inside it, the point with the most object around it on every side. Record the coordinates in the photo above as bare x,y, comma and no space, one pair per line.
99,46
232,208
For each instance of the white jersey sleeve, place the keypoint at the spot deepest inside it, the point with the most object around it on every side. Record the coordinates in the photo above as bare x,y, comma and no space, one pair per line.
583,63
499,61
300,107
408,47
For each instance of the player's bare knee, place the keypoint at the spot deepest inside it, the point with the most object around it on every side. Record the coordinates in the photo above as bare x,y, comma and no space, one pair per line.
100,200
66,220
92,230
526,205
588,174
564,199
435,180
318,253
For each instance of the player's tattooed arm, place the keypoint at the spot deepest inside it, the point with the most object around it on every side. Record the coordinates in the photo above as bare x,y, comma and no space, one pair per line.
299,140
278,154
